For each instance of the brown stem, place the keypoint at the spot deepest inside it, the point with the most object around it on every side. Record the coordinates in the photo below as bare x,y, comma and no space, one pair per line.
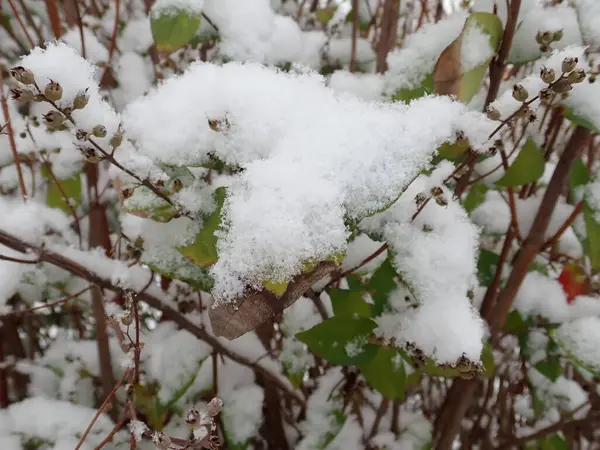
168,312
498,64
388,33
354,35
47,305
534,241
21,24
11,138
554,239
54,17
108,398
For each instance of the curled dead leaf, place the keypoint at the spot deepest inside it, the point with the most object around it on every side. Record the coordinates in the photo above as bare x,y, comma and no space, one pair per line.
257,307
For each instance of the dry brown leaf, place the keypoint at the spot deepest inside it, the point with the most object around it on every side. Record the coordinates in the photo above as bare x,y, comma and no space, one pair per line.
447,71
255,308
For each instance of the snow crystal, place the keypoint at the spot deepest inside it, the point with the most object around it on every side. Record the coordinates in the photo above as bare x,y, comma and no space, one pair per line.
285,128
581,338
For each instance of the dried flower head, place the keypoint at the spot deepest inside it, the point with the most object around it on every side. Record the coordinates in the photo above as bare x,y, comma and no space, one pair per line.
557,35
53,91
576,76
99,131
546,96
569,64
214,407
22,75
561,86
54,120
81,100
547,75
161,440
22,95
493,113
519,93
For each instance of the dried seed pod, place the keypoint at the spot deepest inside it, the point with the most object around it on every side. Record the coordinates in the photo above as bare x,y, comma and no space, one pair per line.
53,91
427,228
81,135
544,37
22,75
54,119
493,113
116,139
569,64
436,191
592,78
441,200
557,35
214,407
576,76
161,440
420,198
81,100
519,93
546,96
91,155
21,95
99,131
126,318
561,86
531,116
192,418
547,75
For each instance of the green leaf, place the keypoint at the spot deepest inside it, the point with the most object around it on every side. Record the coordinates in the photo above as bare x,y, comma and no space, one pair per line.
550,368
203,251
452,150
579,175
173,27
593,236
448,74
475,197
487,359
491,25
527,167
71,188
514,322
380,285
349,303
577,119
406,95
341,340
554,442
486,266
386,374
179,268
326,14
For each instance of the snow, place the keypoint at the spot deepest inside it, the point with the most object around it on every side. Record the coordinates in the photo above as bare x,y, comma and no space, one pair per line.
588,15
95,52
368,86
554,18
174,7
49,64
507,105
544,296
242,412
302,154
410,64
475,48
435,255
580,337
